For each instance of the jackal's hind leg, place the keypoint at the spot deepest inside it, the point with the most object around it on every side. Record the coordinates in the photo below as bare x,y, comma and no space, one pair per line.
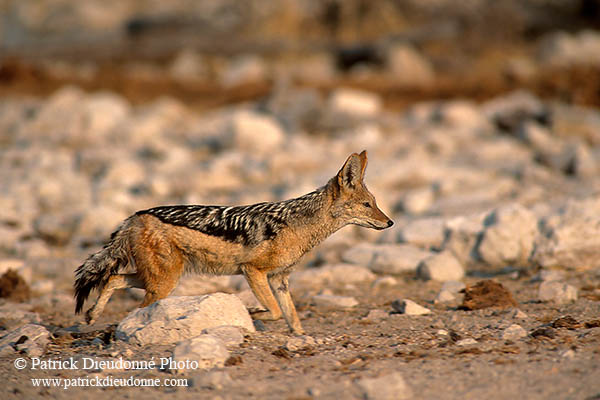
280,287
260,287
158,293
121,281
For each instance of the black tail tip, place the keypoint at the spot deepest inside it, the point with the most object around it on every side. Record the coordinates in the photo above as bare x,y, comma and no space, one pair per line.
78,305
82,292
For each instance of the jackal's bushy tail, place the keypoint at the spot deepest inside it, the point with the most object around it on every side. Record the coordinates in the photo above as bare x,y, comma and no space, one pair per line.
96,270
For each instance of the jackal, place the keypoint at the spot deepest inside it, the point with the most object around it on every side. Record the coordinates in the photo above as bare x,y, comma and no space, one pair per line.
262,241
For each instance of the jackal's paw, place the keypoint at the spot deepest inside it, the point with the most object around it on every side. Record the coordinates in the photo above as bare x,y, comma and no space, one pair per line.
89,318
264,315
298,332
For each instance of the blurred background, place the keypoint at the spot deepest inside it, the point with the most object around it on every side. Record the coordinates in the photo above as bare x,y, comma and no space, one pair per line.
209,53
112,106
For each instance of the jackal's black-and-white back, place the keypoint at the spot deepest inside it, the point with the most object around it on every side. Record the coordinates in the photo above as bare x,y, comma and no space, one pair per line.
248,225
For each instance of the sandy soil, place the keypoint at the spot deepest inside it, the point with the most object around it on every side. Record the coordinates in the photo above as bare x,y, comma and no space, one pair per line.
554,361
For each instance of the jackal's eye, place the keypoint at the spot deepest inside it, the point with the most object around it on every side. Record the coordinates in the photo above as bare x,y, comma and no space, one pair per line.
367,204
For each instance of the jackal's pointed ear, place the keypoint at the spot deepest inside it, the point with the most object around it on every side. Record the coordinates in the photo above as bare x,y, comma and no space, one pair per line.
363,163
351,173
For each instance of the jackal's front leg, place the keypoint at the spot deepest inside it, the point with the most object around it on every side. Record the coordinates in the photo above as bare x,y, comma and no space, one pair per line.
280,286
260,286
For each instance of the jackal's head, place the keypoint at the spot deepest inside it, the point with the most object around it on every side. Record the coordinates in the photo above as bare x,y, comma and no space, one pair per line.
353,203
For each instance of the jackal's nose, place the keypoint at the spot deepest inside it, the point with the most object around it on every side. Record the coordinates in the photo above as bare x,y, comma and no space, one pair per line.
390,223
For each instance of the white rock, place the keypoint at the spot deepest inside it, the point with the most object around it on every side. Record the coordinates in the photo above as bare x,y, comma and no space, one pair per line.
35,249
153,123
314,68
365,135
354,103
230,335
540,138
57,229
63,109
558,292
238,282
461,235
384,281
104,111
10,238
208,351
18,266
361,254
564,49
387,387
123,173
194,285
397,259
442,141
409,307
444,296
441,267
518,314
55,300
14,317
568,354
332,301
300,342
408,67
418,201
43,286
297,110
581,161
188,66
570,156
311,277
100,221
337,273
572,238
386,258
423,232
349,274
34,345
249,299
256,132
509,236
376,315
547,275
513,107
520,68
466,342
243,70
174,319
464,116
453,286
514,332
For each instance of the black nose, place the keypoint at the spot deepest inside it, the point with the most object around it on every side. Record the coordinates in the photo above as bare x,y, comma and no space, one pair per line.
390,223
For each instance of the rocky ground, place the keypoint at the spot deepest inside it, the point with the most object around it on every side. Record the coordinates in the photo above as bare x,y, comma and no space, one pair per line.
503,190
487,159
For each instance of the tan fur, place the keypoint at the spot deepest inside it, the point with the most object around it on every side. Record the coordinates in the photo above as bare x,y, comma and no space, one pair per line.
159,253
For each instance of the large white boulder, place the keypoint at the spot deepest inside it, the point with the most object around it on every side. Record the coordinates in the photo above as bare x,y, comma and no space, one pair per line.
175,319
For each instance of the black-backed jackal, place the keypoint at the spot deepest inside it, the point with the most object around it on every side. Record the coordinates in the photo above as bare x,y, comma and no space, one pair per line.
262,241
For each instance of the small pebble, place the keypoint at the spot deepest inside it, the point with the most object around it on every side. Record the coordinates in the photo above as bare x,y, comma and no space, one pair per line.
466,342
514,332
409,307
